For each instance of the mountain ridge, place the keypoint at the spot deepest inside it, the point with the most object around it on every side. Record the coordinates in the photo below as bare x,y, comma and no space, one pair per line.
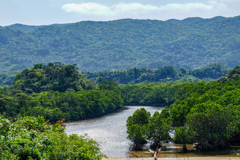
121,44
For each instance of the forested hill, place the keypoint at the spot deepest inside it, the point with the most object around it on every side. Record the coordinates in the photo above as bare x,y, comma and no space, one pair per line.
122,44
27,28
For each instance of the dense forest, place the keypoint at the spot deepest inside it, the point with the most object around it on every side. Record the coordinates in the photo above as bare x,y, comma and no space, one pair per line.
167,73
205,113
122,44
7,78
58,91
138,75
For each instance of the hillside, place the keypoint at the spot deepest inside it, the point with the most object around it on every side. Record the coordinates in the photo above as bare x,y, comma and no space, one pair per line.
7,78
122,44
230,76
27,28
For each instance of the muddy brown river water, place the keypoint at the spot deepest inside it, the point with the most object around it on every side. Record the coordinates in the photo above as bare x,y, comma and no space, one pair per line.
110,132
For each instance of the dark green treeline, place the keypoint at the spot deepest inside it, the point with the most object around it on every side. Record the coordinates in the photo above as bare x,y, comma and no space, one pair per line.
167,73
58,91
206,113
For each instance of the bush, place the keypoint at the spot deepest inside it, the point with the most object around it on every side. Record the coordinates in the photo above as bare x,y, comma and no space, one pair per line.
34,138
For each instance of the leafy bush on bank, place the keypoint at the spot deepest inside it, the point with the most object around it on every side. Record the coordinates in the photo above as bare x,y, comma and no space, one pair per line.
34,138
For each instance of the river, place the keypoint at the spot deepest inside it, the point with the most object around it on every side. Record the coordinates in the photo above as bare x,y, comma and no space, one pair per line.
110,132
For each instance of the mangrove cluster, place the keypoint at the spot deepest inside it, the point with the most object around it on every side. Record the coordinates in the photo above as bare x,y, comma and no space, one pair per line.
205,113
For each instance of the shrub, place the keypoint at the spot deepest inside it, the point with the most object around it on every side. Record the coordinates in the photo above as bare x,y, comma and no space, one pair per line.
34,138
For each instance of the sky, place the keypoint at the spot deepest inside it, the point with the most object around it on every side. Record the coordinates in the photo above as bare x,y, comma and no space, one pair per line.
44,12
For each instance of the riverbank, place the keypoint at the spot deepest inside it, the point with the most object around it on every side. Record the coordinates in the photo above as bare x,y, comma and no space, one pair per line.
178,158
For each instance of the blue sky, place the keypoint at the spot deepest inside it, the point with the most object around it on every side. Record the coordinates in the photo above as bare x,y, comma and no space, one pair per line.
42,12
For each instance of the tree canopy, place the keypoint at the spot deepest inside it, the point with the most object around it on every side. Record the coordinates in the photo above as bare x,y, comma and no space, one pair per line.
206,113
35,138
54,76
167,73
58,91
122,44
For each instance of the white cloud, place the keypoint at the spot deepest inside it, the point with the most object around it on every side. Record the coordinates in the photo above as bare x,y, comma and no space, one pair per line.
97,11
103,10
187,6
87,8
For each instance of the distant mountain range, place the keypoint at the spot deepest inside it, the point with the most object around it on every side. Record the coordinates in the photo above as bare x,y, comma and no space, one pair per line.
27,28
121,44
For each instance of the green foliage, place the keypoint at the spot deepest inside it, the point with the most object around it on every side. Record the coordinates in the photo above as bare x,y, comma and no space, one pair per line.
54,76
122,44
58,91
203,112
55,105
209,114
33,138
230,76
167,73
140,117
182,135
136,124
158,128
214,123
23,28
7,78
135,134
107,85
4,125
157,94
212,71
141,126
135,75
